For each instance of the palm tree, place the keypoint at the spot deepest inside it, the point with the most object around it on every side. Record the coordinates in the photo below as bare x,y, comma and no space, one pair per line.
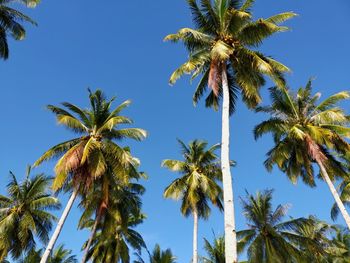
10,23
200,170
342,242
33,256
305,132
112,243
86,158
220,51
24,214
110,192
121,212
158,256
215,251
268,238
60,255
313,240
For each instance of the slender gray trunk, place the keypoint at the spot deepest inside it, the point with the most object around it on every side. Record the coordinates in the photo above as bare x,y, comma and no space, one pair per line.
195,236
58,229
334,193
229,213
92,235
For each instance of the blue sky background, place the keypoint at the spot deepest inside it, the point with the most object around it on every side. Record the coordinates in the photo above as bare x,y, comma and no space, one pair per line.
117,46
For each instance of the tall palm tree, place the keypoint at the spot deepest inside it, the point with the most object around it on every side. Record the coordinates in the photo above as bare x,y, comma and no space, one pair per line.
86,158
305,132
10,23
215,251
24,214
158,256
220,51
268,238
197,185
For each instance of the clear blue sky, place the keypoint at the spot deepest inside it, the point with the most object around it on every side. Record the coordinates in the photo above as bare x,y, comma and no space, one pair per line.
117,46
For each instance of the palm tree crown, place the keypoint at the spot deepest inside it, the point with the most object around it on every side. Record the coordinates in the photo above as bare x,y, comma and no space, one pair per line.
222,39
10,23
303,132
59,255
313,240
62,255
117,235
24,214
215,251
158,256
121,206
200,169
88,156
341,241
267,237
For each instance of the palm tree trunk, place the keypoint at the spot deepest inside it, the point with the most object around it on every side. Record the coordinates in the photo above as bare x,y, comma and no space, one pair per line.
58,229
334,193
92,235
229,212
195,236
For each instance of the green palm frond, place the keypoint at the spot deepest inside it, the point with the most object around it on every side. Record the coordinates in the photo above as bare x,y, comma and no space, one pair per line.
280,18
332,101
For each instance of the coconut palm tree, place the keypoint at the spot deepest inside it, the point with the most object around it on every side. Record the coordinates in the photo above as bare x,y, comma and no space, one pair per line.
158,256
342,242
109,191
115,237
197,185
33,256
268,238
304,132
86,158
121,211
24,214
10,23
62,255
215,251
313,240
220,51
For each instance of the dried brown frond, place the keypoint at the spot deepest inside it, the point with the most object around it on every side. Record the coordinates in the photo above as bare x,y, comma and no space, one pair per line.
314,150
215,76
